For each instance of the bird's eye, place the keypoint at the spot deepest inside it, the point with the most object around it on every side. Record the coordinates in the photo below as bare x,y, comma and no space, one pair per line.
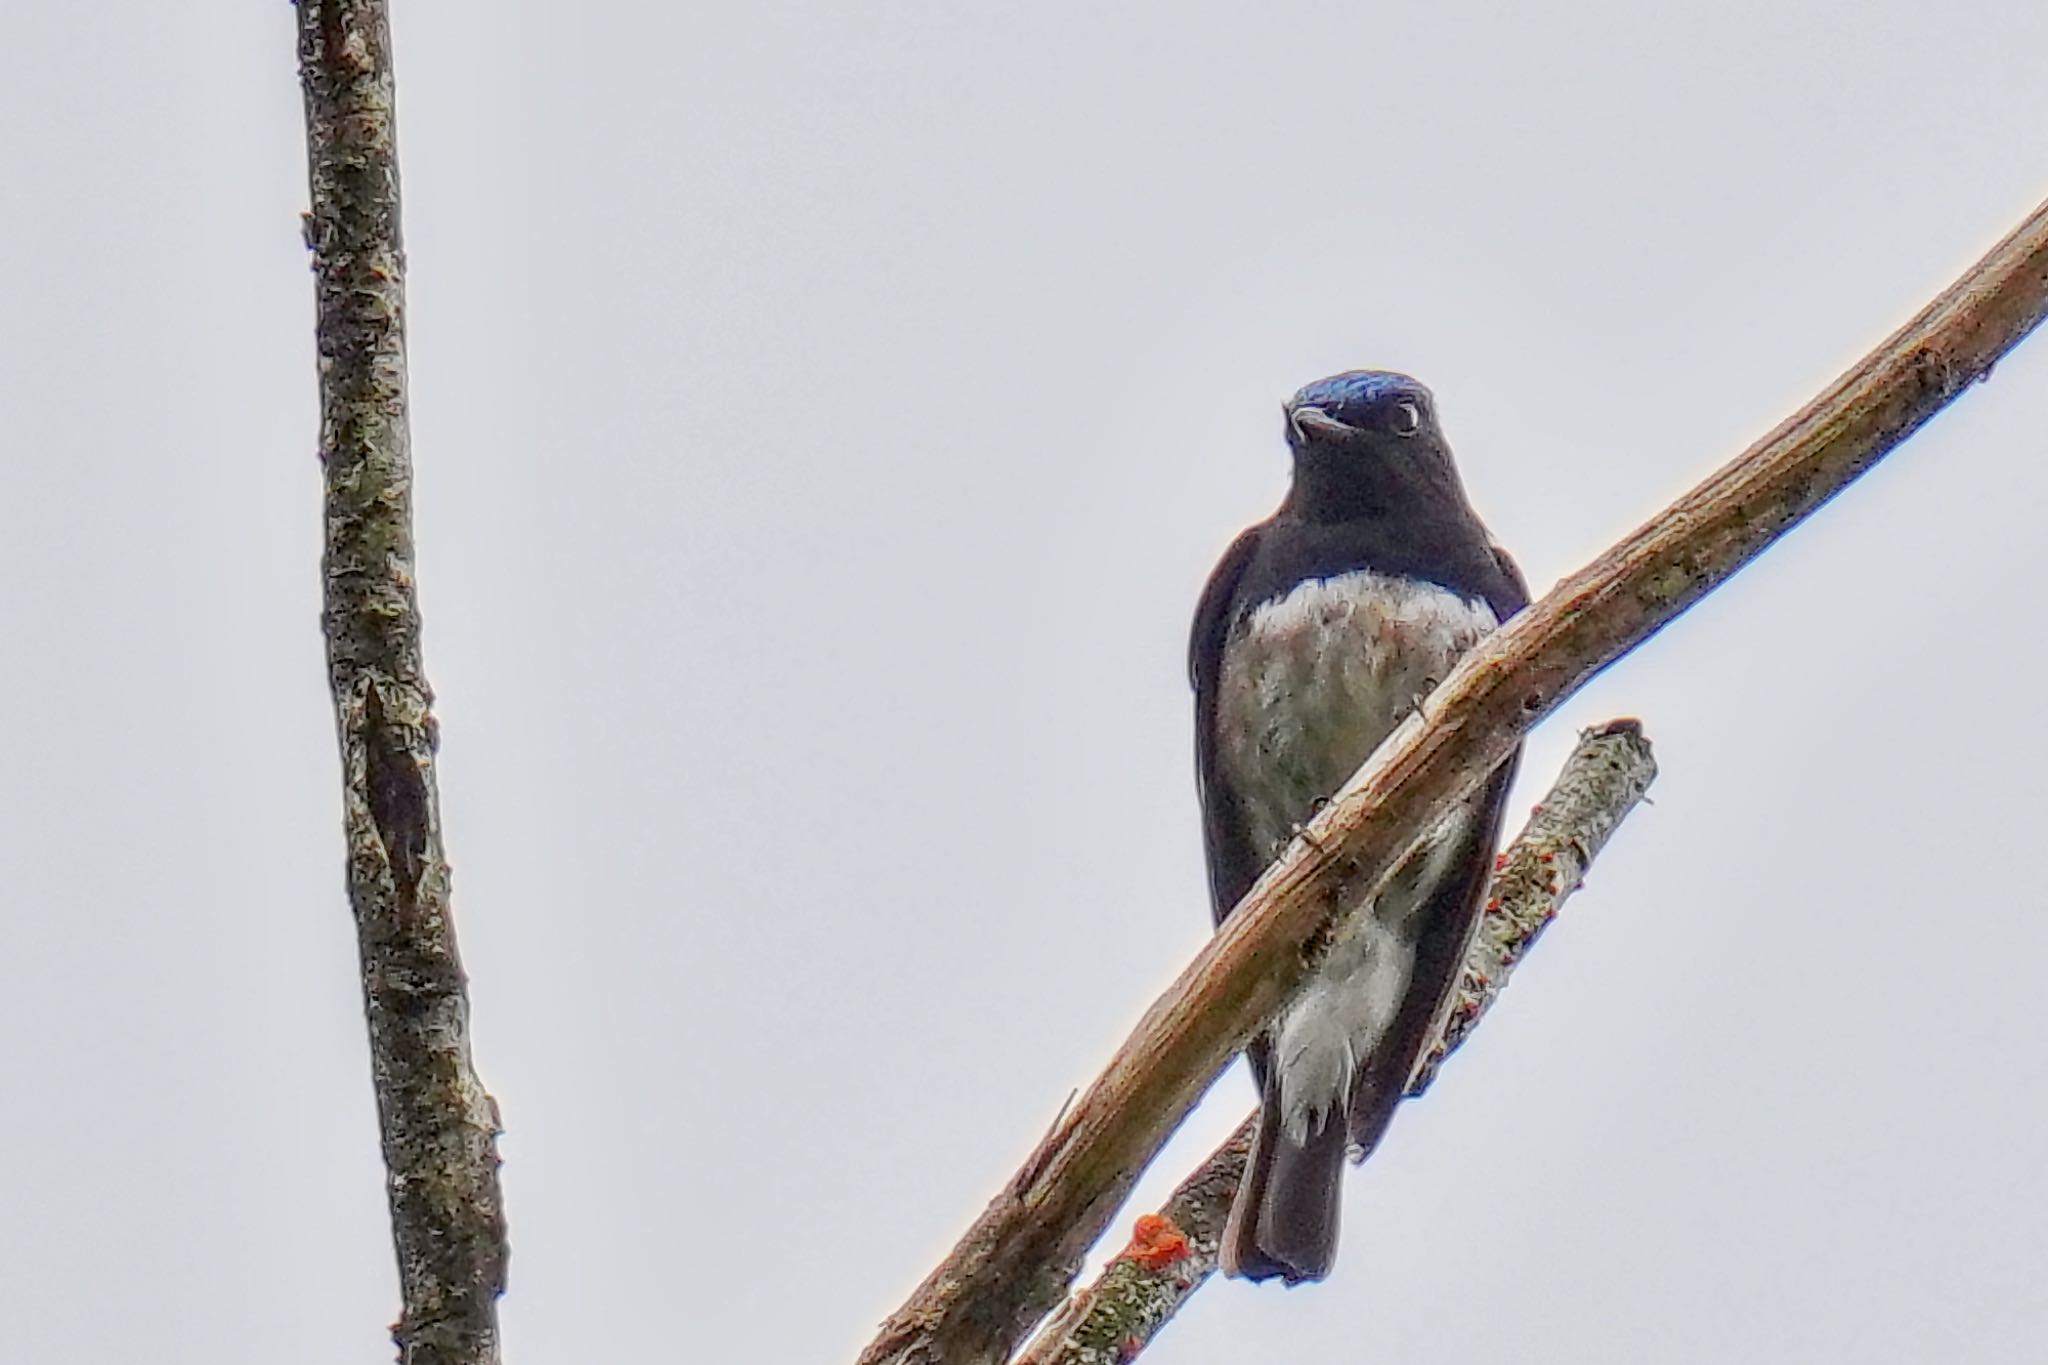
1407,418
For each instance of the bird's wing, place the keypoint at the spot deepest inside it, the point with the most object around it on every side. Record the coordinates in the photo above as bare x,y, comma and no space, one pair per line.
1511,593
1233,863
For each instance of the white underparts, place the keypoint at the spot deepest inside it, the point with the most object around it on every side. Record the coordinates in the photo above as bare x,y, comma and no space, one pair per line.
1312,682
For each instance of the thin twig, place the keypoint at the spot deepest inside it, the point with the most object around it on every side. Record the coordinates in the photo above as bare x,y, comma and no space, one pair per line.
1016,1260
439,1127
1173,1253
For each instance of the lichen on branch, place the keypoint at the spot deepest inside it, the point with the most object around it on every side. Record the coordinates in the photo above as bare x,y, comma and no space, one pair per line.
438,1125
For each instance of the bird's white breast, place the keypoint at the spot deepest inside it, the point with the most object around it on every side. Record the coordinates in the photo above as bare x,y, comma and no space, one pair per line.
1311,683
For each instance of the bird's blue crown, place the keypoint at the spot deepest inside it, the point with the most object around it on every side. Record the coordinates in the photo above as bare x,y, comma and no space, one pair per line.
1355,393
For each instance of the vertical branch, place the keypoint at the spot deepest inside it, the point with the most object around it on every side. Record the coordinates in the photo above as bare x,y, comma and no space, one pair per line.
439,1127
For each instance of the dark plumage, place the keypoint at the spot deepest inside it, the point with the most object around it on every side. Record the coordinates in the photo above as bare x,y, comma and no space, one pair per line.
1318,632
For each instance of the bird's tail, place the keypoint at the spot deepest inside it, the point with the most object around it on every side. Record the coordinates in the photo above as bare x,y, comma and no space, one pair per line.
1284,1222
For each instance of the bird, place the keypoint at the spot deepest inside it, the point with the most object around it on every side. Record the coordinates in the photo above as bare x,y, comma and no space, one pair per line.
1319,631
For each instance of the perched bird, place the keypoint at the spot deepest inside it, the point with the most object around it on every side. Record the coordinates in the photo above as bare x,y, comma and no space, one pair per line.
1317,634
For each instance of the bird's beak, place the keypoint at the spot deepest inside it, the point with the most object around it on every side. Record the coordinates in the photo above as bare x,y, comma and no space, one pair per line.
1312,422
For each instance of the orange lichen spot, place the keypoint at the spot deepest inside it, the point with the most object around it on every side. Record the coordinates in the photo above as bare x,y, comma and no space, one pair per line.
1500,862
1128,1348
1155,1242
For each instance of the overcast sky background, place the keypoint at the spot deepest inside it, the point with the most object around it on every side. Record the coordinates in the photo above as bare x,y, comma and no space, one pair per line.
825,419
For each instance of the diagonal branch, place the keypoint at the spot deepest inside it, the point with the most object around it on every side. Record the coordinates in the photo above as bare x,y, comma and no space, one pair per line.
1607,774
1173,1253
1017,1259
439,1127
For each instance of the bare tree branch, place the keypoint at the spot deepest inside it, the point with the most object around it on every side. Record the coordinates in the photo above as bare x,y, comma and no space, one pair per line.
1016,1260
1173,1253
439,1126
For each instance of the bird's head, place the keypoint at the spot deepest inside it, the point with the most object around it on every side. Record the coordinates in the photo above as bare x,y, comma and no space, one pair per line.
1361,408
1366,442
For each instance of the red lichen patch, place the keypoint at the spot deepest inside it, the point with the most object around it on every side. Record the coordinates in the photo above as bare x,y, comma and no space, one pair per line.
1155,1242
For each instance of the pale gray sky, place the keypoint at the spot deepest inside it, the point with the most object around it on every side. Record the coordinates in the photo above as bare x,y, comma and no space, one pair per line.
826,416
